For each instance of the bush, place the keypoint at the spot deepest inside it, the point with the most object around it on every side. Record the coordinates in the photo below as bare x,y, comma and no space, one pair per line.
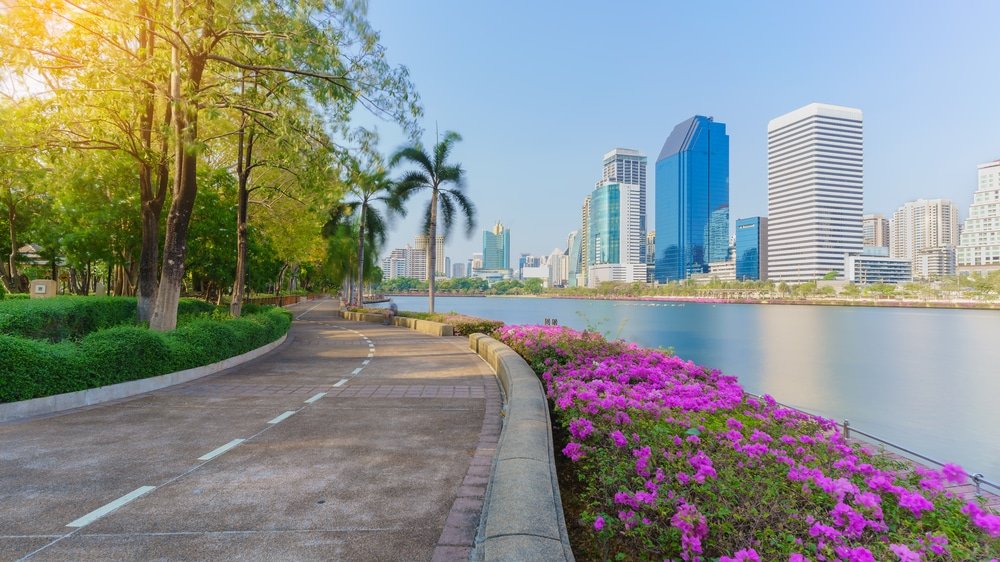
122,353
667,460
463,325
61,318
31,368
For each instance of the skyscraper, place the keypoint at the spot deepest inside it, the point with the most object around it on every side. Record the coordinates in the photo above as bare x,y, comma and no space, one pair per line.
573,258
626,166
815,182
585,242
751,249
923,225
605,224
422,242
692,199
979,250
875,228
496,247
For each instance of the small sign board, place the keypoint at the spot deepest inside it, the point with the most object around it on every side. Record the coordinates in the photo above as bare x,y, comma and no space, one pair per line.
43,288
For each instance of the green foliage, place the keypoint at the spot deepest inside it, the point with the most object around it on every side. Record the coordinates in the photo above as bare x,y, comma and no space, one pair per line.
463,325
33,368
71,318
60,318
830,276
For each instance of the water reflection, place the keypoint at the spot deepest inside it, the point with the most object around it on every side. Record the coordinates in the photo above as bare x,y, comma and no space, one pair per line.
927,379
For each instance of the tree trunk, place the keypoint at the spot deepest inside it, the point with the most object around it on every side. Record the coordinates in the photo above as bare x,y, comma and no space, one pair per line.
150,200
243,159
361,255
432,251
11,278
185,189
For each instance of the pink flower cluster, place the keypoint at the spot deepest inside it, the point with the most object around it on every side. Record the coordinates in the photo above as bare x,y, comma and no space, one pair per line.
669,423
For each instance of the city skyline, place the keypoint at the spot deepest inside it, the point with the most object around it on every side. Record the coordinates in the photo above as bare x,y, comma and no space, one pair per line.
894,72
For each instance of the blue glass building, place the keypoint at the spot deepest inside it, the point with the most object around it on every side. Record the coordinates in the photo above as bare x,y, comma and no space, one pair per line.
604,233
692,199
496,248
751,249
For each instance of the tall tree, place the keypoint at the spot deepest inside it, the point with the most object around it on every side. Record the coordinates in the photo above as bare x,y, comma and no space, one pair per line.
446,182
370,189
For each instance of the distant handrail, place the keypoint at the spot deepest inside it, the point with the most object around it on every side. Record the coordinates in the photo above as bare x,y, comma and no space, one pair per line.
977,479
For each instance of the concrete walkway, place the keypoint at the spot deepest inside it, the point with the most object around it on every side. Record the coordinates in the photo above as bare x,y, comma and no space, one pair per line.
351,442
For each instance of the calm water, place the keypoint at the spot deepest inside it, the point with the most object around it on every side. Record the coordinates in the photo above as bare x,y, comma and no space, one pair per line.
926,379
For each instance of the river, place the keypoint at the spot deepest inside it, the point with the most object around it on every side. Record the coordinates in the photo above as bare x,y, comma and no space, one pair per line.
926,379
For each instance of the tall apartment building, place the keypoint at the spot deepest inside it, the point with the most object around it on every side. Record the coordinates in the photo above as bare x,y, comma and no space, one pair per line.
628,167
422,242
815,183
875,230
496,247
405,262
979,248
692,199
921,226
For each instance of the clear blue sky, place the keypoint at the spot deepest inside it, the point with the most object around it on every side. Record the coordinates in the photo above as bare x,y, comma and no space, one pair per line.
541,90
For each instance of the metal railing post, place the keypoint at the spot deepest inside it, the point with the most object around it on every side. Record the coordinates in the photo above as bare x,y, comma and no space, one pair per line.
847,428
977,479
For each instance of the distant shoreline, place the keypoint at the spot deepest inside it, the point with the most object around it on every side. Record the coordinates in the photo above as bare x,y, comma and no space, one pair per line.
869,303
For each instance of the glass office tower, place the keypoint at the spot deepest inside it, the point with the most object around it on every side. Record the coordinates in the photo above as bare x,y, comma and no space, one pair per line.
604,233
496,247
692,199
751,249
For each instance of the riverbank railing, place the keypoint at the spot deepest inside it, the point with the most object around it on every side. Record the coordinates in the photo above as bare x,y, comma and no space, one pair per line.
978,480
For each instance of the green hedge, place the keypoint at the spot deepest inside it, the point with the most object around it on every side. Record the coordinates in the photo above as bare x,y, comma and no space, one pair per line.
31,368
71,318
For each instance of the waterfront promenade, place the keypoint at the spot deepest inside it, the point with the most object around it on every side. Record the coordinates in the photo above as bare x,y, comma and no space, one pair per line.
352,441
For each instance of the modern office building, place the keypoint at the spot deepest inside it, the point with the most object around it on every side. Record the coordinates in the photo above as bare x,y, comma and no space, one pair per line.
628,168
605,224
496,247
875,230
873,265
751,249
457,270
650,255
979,248
692,199
573,257
584,243
815,183
422,243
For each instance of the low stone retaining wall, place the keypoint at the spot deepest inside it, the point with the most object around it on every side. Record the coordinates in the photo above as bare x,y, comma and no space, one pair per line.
422,326
522,515
68,401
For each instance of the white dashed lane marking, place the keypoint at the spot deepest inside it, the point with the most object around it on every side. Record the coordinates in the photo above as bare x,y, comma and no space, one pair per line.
341,383
356,371
315,398
108,508
282,417
220,450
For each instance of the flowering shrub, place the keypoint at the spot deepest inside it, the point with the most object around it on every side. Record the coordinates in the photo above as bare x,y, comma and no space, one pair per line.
675,461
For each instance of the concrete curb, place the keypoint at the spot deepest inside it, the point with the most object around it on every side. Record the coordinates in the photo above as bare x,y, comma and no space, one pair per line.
70,400
522,513
422,326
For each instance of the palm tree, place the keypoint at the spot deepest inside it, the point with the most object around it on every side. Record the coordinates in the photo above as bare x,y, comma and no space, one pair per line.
370,188
446,183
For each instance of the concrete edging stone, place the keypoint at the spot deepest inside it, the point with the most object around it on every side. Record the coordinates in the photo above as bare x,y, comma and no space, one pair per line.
70,400
522,515
422,326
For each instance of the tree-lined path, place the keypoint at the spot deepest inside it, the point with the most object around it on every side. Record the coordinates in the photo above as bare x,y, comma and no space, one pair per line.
350,442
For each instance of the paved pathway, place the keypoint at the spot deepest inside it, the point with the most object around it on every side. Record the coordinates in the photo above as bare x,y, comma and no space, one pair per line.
351,442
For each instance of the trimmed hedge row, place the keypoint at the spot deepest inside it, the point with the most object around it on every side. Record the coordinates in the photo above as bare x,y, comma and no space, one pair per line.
71,317
31,368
